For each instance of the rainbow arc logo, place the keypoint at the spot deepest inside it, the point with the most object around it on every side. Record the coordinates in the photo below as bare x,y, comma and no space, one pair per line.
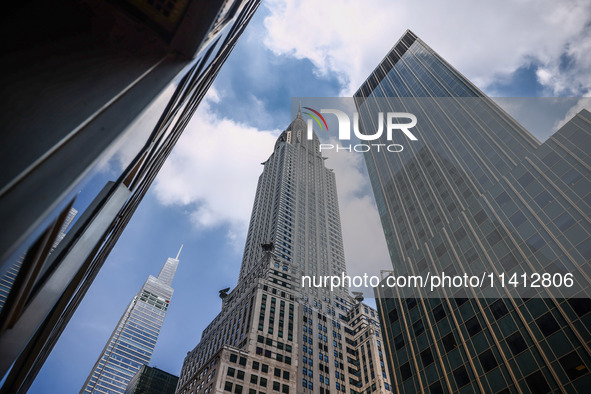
315,116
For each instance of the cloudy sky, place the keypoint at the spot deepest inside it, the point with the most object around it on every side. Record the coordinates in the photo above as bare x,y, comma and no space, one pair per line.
203,195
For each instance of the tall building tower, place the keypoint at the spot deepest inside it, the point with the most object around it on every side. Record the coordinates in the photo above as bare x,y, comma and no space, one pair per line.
273,334
476,193
132,342
296,210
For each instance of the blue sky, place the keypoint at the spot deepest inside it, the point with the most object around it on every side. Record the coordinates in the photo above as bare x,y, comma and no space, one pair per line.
203,195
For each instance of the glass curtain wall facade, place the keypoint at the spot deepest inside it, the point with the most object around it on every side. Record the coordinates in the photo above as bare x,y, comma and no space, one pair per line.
151,380
273,334
99,92
478,193
132,342
7,280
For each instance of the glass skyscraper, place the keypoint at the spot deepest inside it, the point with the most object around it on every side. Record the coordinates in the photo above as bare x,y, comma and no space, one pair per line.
132,342
273,335
151,380
476,193
99,94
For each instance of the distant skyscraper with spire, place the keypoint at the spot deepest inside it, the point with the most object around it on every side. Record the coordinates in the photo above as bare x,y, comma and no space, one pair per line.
132,342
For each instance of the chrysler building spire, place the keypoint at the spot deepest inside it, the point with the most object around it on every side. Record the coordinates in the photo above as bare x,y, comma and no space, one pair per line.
270,321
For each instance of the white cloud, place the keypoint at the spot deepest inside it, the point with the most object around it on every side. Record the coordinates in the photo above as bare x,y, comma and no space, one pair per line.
486,41
213,170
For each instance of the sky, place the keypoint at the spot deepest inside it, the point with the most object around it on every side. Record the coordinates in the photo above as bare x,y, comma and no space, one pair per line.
203,195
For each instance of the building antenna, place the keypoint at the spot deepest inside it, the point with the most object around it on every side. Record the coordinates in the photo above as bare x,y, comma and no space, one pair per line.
178,254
